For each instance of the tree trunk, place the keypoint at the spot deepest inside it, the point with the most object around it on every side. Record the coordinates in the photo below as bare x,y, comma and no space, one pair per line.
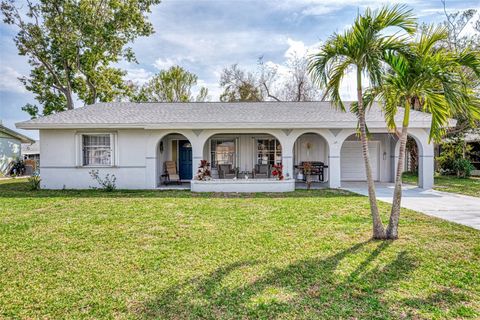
392,229
93,91
68,95
378,229
68,90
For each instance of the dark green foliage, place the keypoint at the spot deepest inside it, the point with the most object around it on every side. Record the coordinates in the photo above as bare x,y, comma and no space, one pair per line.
172,85
34,182
453,159
71,46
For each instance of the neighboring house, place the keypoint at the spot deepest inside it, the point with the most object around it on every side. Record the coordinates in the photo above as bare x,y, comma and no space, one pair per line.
133,141
473,140
31,151
10,146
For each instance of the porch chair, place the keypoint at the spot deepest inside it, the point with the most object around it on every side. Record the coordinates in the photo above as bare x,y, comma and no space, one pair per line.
225,171
171,172
262,171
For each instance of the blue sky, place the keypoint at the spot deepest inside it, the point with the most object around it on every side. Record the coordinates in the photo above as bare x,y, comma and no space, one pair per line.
204,36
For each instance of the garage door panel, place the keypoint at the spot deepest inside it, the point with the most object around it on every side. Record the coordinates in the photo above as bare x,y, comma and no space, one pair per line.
352,164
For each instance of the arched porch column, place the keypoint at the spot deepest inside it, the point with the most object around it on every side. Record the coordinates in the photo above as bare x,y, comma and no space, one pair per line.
425,157
197,154
334,139
335,142
153,169
426,167
287,157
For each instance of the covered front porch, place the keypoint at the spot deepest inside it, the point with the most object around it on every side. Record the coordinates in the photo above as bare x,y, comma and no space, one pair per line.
254,160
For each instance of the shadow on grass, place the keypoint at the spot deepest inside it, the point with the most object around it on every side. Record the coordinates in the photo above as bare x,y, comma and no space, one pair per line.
445,301
19,189
306,289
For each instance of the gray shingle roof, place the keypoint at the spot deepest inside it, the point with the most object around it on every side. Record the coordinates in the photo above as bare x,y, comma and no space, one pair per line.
212,115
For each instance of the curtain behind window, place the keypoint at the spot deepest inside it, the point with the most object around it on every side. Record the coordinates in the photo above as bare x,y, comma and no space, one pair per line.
96,150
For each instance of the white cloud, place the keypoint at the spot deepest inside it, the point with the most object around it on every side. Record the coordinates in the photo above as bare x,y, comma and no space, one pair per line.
322,7
469,29
165,63
299,49
214,90
138,75
219,45
9,80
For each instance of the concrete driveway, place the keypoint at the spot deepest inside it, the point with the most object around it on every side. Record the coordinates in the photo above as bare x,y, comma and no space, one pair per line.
449,206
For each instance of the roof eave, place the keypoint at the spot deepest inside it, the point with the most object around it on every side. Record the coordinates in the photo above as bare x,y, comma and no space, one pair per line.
213,125
19,136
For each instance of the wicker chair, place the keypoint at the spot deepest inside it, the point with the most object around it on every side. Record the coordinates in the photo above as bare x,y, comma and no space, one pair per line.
225,171
262,171
171,171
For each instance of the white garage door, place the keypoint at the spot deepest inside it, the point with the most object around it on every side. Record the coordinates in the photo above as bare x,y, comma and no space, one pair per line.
352,164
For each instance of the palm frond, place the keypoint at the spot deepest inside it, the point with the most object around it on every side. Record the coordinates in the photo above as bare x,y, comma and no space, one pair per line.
430,37
470,59
393,16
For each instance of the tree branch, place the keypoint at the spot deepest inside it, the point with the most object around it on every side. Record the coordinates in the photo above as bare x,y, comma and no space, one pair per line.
268,93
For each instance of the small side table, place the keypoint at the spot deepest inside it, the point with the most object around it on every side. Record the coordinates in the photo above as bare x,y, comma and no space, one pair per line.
164,179
244,174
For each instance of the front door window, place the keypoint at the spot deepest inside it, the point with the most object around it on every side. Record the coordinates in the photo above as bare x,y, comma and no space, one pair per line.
185,159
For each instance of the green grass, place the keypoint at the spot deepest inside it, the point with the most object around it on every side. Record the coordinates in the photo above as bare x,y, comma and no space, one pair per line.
178,255
467,186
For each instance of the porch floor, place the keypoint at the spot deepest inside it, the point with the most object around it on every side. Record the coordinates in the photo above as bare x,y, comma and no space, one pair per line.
174,186
302,185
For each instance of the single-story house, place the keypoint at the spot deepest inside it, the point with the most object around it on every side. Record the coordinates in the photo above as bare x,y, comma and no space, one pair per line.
31,151
139,142
10,147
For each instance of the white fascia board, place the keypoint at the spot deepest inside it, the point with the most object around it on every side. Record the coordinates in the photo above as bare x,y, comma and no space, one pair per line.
215,125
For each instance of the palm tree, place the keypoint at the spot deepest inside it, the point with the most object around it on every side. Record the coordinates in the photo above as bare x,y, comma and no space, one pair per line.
430,78
363,46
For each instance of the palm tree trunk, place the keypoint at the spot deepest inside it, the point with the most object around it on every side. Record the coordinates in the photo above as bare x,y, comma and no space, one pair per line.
392,229
378,229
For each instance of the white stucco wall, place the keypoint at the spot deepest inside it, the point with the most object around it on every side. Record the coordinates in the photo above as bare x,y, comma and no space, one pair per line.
9,150
61,168
138,162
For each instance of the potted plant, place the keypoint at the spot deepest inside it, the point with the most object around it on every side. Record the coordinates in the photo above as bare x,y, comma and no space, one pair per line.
278,171
307,171
203,172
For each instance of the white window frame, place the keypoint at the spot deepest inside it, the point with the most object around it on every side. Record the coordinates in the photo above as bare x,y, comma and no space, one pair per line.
113,149
275,150
225,138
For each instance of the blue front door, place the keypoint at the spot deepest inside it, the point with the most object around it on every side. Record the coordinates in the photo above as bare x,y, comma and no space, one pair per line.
185,159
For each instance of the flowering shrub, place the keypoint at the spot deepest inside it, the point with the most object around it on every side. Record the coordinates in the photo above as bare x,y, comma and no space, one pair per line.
203,172
107,184
278,171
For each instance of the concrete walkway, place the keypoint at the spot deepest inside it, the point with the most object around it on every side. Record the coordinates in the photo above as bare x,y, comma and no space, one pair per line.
448,206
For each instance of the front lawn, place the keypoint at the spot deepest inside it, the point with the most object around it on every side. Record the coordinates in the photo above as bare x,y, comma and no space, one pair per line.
467,186
178,255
